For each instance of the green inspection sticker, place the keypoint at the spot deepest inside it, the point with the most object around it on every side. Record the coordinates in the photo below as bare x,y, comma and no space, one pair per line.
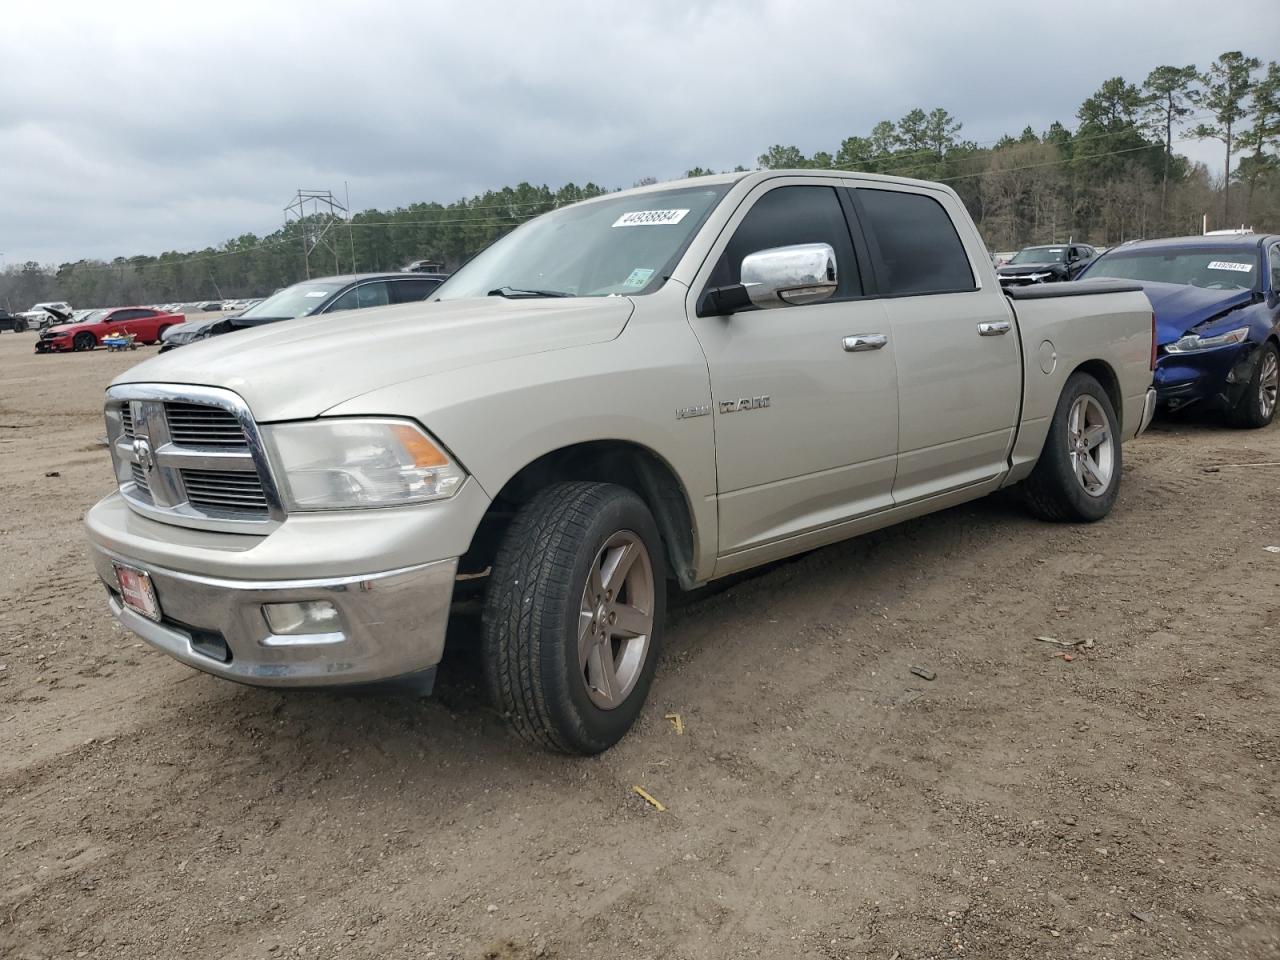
639,277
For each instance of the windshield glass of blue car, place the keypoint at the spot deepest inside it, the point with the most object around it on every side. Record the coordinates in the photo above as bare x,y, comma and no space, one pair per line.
615,246
1041,255
300,300
1215,269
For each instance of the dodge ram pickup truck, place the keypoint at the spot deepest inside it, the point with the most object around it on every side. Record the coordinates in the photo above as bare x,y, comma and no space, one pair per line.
674,383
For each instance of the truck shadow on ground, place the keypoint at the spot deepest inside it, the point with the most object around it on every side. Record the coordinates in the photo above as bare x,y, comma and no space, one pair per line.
458,720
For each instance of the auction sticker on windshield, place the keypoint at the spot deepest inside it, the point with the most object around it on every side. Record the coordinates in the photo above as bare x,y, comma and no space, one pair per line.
1229,265
650,218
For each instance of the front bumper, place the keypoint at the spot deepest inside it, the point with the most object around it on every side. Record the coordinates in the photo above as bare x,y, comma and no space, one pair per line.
390,625
50,345
1214,378
389,574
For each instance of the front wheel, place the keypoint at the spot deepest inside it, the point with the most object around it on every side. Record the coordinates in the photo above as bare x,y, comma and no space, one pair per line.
573,616
1257,406
84,341
1078,475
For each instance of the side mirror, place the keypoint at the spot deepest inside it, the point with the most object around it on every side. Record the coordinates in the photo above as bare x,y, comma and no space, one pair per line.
790,276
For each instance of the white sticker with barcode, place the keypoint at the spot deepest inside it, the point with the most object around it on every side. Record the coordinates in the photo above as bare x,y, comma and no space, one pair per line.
650,218
1231,265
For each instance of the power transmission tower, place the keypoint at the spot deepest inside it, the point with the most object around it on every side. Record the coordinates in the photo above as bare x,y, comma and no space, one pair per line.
316,212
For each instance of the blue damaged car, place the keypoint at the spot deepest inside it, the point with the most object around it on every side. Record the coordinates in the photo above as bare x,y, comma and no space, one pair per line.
1217,309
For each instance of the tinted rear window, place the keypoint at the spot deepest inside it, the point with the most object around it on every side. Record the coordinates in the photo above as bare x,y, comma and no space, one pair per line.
919,246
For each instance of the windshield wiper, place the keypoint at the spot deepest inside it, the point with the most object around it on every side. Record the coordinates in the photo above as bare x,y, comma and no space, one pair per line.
513,292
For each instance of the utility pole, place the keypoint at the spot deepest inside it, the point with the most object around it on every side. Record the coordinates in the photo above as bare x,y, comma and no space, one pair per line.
316,212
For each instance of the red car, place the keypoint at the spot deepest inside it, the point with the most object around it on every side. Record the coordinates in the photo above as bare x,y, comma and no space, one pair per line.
85,334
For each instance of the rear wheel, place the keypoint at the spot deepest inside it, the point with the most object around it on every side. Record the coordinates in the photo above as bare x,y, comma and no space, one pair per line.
573,616
1078,475
84,341
1257,406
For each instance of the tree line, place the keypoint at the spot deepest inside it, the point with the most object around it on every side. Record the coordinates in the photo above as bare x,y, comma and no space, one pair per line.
1116,176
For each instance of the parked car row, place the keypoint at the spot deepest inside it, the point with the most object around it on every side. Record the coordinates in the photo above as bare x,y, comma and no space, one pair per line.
85,330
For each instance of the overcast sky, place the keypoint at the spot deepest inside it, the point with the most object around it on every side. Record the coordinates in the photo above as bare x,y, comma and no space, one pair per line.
135,127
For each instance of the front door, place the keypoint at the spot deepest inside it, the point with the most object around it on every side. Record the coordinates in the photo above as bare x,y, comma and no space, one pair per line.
806,425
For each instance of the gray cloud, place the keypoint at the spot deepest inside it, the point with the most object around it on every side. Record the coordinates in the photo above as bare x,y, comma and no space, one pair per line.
144,127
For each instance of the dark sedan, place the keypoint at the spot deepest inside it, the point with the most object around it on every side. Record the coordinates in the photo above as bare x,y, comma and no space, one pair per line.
310,299
1217,306
1059,261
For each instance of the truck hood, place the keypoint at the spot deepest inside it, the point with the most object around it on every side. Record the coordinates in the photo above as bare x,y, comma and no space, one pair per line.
1022,269
1179,307
297,369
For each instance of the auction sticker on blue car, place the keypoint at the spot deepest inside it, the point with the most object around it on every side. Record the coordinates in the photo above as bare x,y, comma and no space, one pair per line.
137,591
650,218
1231,265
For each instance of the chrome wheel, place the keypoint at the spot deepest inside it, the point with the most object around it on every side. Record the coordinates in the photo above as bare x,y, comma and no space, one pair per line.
1268,382
615,619
1090,445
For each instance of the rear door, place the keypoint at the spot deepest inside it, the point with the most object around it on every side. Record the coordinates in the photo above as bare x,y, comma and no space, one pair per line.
957,351
806,427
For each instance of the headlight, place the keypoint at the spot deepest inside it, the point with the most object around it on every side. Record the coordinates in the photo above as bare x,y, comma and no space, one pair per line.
332,464
1194,343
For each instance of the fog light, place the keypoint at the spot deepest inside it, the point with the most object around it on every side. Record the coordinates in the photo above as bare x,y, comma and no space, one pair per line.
295,619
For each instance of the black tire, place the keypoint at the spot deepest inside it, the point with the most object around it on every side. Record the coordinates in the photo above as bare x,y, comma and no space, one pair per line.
84,341
1253,410
1053,492
532,608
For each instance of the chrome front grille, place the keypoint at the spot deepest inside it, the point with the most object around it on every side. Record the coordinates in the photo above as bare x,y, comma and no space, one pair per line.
225,490
140,479
196,424
191,456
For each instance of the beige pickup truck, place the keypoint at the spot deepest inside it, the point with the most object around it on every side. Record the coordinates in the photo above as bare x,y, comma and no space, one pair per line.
652,388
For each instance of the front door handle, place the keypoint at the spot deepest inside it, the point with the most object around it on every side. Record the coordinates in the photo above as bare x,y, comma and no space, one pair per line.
994,328
862,342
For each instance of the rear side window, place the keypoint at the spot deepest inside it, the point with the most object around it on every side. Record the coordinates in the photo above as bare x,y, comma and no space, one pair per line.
410,291
919,246
787,216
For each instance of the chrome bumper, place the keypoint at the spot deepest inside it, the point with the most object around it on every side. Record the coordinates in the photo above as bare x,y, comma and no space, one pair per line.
1148,411
390,624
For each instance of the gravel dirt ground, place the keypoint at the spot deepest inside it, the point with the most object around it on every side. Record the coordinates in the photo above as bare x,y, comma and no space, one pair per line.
822,801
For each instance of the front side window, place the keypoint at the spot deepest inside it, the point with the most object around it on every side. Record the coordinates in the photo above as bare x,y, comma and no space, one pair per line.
919,246
1220,268
624,245
784,217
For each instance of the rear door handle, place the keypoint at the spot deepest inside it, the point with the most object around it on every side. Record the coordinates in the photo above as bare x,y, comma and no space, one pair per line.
994,328
862,342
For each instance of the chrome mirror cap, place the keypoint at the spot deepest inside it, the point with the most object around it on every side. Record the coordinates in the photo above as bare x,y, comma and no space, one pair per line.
790,276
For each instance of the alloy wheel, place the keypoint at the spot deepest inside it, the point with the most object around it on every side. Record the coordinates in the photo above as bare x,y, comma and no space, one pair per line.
615,619
1090,445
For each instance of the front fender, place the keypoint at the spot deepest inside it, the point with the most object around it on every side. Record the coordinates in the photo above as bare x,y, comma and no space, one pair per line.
498,417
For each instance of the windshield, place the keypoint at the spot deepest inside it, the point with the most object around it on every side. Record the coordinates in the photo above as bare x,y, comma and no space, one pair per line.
91,316
617,245
1040,255
300,300
1217,268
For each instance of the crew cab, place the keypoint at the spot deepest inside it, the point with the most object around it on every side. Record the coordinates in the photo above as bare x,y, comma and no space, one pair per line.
665,385
1217,304
145,323
1048,264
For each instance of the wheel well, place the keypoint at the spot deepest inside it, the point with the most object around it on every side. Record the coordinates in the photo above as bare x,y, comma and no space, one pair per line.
605,461
1101,371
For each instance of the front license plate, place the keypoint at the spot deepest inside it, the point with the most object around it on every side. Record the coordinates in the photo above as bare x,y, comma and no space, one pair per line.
137,591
